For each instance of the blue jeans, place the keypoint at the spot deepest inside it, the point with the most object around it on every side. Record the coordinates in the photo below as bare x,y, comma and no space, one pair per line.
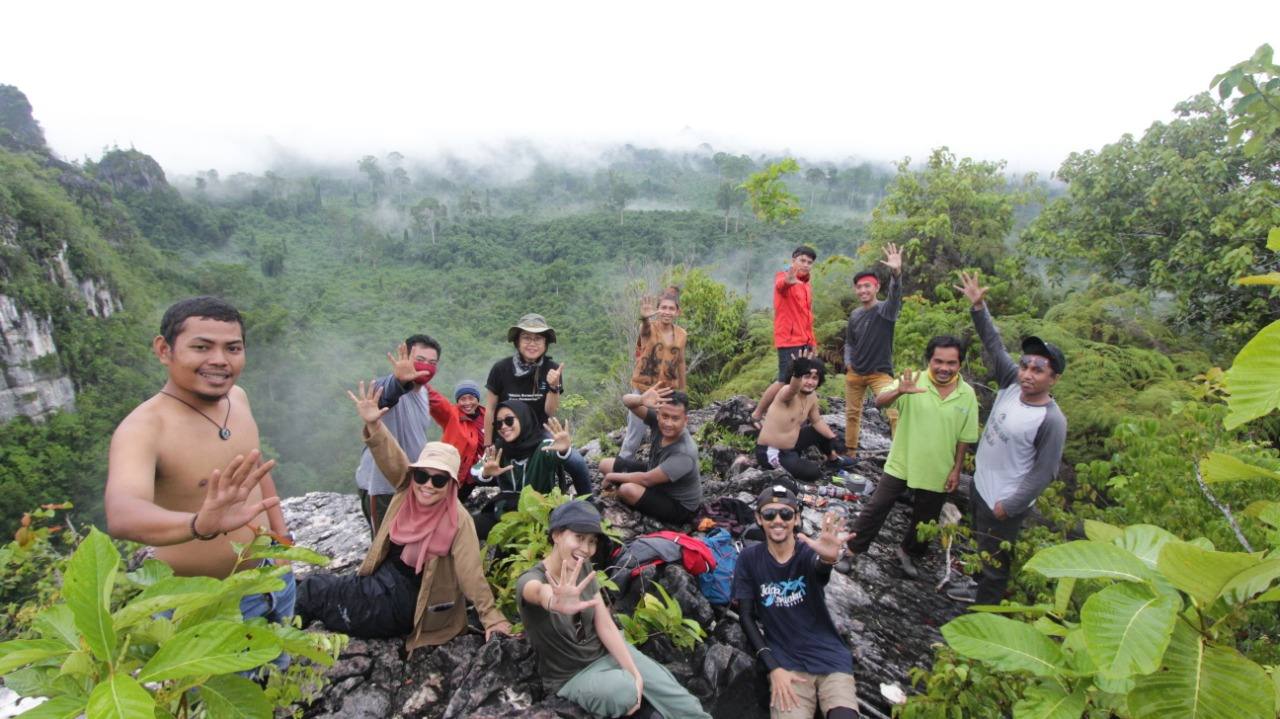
576,466
276,607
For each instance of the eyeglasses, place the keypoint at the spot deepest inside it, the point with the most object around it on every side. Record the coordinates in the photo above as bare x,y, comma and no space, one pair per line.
532,339
436,480
1029,361
508,421
771,514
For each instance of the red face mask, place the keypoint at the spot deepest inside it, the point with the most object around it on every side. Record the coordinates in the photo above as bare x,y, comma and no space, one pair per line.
430,370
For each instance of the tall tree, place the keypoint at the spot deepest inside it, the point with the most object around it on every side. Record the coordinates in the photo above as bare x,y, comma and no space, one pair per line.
369,166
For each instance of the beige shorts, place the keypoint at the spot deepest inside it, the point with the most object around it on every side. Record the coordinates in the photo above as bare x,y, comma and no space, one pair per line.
827,691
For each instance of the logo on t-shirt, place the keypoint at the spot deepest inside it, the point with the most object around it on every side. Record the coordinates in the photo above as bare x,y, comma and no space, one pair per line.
787,593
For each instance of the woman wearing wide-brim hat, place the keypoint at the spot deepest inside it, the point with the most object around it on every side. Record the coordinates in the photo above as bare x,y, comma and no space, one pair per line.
531,376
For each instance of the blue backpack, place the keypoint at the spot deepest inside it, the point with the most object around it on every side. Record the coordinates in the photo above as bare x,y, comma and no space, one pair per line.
717,584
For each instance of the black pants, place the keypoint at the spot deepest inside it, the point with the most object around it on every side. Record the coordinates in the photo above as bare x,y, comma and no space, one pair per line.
793,459
379,606
374,508
926,508
990,532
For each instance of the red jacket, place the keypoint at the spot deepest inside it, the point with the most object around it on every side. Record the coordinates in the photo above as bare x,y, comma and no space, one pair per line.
792,312
466,434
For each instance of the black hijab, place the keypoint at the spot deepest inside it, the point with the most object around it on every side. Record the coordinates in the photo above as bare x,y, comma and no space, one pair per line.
531,434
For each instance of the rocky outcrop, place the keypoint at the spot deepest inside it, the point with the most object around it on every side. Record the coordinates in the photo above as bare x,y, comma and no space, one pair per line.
889,621
33,382
18,127
131,170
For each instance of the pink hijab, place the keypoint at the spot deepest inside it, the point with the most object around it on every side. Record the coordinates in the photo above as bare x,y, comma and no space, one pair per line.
426,530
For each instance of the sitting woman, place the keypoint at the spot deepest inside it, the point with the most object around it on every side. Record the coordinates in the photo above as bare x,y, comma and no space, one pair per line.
424,563
582,655
524,457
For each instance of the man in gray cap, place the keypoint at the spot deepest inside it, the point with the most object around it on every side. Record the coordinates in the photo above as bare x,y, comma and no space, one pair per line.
1020,449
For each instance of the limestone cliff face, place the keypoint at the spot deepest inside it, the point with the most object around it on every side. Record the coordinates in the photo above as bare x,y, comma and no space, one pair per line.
33,383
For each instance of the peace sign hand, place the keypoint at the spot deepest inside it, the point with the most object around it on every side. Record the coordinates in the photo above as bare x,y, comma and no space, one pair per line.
831,538
566,592
561,440
367,402
969,286
402,366
907,383
492,466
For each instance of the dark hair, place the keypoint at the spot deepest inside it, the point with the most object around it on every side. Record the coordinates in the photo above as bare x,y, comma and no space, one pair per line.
680,398
866,273
805,250
671,293
802,366
212,308
943,341
424,340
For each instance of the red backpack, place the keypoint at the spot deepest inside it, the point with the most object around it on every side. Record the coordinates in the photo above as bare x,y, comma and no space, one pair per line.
656,549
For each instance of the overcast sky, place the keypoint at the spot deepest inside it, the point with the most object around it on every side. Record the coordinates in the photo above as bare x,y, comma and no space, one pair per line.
233,85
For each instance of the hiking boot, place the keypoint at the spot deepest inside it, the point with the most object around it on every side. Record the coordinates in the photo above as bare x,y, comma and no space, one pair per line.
907,564
966,595
841,463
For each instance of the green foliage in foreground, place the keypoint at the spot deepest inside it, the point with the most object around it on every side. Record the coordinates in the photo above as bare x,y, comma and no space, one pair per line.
172,648
661,615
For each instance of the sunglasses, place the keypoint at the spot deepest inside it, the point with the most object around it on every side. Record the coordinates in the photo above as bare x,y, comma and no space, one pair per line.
771,514
1029,361
506,421
436,480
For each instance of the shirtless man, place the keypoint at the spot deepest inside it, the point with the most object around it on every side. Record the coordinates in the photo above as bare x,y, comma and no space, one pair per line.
784,438
185,474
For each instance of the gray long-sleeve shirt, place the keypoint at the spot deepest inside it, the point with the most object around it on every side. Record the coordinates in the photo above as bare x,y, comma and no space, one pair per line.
868,338
1021,447
408,420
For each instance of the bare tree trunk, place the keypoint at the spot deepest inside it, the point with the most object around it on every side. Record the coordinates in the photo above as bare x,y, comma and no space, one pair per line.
1226,511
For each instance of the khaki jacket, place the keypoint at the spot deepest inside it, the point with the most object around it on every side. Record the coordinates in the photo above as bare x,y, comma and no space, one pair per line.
447,582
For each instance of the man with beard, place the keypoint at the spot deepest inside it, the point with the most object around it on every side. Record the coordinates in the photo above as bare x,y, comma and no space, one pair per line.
785,437
184,472
404,391
779,585
668,487
939,420
1021,447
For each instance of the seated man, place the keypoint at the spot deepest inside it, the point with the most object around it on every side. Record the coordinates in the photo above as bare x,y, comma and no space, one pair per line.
668,486
784,437
779,585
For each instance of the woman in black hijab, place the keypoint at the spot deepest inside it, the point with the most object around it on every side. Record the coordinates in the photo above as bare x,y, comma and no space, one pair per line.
522,455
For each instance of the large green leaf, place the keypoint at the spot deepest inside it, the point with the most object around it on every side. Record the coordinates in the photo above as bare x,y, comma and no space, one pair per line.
1089,559
1144,542
21,652
1219,467
57,622
169,593
1202,681
1273,239
1127,628
151,571
121,697
1254,580
91,573
1005,644
1252,378
1101,531
1202,573
217,647
234,697
1271,278
56,708
1049,700
295,553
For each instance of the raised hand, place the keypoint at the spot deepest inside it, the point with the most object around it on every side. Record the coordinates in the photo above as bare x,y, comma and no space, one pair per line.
656,395
907,383
892,258
402,366
831,538
976,293
561,440
226,506
367,402
555,378
566,591
492,466
648,308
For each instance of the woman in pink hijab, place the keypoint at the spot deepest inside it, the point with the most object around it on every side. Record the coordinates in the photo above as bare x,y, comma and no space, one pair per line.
424,563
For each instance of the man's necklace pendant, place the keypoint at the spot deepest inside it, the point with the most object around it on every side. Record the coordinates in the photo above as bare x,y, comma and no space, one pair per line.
224,433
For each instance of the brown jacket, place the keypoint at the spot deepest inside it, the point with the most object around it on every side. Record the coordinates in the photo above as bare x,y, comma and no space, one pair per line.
656,361
448,581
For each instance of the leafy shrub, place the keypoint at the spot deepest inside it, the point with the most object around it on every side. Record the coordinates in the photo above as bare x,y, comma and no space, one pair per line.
661,615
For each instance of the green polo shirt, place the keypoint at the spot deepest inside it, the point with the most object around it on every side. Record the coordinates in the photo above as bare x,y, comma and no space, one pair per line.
924,444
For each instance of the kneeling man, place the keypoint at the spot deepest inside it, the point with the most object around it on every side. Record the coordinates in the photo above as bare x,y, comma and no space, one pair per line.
668,486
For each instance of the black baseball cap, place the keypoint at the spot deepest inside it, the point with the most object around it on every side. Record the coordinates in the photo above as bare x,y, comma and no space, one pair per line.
578,516
777,494
1035,346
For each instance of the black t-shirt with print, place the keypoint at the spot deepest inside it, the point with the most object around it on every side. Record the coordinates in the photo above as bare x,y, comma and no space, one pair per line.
531,388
